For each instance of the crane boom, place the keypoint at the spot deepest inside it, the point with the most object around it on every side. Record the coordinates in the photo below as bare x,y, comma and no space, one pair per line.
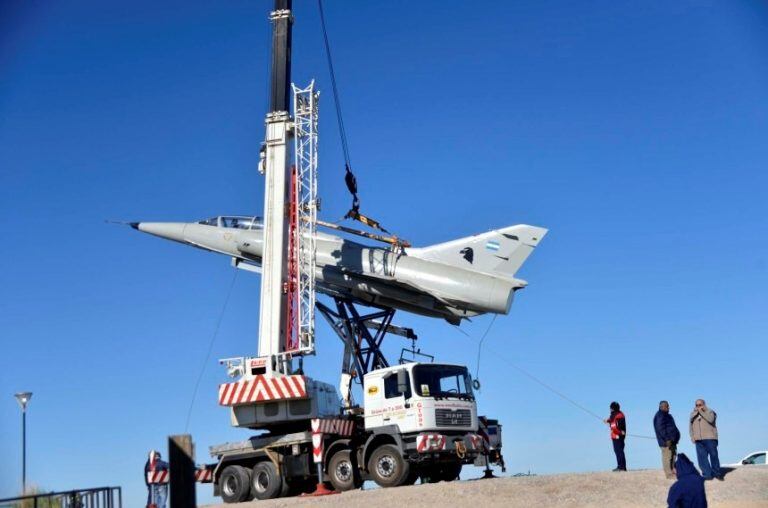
274,298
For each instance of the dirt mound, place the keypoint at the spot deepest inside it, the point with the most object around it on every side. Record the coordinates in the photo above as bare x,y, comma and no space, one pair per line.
742,488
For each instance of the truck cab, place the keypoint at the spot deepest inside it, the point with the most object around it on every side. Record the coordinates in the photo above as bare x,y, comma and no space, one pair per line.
418,397
421,422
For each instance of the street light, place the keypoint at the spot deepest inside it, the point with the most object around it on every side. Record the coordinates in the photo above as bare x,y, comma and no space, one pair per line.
23,398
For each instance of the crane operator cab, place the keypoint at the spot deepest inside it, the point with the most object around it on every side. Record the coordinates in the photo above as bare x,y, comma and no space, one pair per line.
430,407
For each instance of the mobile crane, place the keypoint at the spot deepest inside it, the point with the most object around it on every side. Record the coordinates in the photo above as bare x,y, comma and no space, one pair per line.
418,420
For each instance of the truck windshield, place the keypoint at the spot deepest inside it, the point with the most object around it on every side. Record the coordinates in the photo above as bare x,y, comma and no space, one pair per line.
442,381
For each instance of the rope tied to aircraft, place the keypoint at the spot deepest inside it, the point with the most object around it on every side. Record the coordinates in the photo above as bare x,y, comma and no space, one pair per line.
537,380
210,348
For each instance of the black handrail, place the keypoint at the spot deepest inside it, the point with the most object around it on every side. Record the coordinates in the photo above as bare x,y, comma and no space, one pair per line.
100,497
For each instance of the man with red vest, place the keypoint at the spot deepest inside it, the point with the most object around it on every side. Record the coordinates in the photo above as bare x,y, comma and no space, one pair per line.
618,425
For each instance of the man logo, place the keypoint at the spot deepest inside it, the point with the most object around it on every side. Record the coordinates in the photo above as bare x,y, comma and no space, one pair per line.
468,254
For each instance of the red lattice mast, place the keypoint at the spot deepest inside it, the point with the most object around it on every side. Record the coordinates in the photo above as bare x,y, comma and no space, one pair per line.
292,284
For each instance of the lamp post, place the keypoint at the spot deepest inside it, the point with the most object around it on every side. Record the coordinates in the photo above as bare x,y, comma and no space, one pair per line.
23,398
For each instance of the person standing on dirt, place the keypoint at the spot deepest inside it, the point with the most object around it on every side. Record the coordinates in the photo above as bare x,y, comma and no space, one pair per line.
618,425
668,435
703,430
157,492
688,491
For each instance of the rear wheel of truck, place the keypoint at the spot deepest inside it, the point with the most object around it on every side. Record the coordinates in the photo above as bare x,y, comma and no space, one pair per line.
266,482
387,466
341,471
234,484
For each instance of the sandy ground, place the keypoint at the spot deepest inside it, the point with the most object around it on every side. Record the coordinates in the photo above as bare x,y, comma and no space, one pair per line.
742,488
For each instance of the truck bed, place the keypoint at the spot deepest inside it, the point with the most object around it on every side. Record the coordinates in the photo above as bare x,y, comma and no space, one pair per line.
259,442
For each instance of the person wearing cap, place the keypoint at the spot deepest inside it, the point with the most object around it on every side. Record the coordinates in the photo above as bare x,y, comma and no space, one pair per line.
157,493
667,435
618,424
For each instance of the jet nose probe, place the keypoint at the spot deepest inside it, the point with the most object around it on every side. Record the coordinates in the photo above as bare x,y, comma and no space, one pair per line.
168,230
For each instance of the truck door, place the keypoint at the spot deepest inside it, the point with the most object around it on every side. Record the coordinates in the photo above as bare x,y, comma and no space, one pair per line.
387,401
374,401
397,401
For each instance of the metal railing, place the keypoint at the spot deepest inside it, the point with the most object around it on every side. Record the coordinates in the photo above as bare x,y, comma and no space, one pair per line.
101,497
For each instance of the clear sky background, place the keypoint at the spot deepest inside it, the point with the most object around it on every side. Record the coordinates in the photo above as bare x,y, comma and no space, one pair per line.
635,132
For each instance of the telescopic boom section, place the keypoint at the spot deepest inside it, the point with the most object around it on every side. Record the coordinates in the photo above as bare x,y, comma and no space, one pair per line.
281,56
274,281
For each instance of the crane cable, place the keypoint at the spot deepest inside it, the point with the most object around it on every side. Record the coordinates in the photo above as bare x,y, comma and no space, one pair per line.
537,380
349,177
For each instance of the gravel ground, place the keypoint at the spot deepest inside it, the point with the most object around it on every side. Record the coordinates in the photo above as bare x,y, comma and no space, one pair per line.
742,488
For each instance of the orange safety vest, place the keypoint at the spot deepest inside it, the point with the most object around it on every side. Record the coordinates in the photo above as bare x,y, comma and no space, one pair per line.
615,431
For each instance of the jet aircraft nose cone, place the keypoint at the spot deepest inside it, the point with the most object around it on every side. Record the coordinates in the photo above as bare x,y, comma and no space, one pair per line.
168,230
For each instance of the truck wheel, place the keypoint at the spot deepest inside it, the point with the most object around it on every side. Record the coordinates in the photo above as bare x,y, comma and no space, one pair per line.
387,466
234,484
266,482
341,471
450,472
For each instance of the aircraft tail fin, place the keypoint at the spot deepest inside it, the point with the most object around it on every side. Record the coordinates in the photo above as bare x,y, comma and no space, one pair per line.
500,251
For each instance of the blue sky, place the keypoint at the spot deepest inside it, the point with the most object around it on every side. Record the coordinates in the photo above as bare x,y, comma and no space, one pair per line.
637,134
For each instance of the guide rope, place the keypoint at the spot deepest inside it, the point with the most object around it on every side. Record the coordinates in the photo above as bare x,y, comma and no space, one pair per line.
539,381
210,348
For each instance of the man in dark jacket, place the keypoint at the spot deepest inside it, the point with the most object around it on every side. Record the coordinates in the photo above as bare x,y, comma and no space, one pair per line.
618,425
688,491
157,492
668,435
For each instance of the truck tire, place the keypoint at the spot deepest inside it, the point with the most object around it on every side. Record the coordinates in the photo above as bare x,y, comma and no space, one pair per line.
235,484
341,471
387,466
266,482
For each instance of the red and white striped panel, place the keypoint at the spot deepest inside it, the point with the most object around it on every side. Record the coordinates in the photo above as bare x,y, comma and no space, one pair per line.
476,441
317,441
262,389
155,477
430,442
335,426
204,475
317,447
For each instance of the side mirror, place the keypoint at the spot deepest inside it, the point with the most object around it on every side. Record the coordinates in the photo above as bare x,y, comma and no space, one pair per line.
745,462
402,382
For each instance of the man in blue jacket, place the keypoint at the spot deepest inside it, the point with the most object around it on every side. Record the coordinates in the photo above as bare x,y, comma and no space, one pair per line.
668,435
158,492
688,491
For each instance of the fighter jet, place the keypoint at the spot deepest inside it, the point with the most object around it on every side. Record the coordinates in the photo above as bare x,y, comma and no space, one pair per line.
454,280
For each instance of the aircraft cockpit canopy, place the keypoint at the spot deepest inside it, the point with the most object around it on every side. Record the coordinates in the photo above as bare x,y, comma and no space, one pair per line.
234,221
